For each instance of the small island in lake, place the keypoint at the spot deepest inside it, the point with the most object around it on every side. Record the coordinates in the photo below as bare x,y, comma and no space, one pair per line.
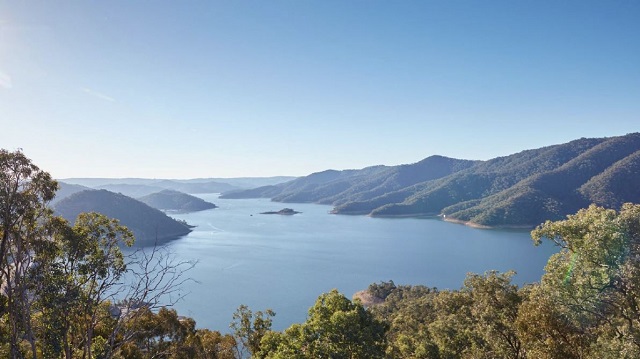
284,211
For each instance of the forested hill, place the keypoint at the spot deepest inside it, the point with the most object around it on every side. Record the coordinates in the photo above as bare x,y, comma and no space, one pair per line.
337,187
523,189
147,224
169,200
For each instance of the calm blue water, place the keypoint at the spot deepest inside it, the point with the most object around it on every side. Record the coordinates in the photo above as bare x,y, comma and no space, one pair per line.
286,262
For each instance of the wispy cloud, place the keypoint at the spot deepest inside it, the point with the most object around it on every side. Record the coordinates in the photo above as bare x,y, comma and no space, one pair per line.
5,80
98,94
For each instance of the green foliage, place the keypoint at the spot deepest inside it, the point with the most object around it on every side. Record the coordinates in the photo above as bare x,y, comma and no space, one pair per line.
72,278
57,279
249,328
25,191
593,281
477,321
381,290
336,328
167,335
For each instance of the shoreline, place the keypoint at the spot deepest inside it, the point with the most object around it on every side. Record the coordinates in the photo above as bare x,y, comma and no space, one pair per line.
424,216
418,215
453,220
468,223
482,226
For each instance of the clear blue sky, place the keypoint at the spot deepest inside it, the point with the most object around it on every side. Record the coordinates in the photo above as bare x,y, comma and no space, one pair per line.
182,89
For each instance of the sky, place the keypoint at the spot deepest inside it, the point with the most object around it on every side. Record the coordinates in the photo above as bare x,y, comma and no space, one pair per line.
194,89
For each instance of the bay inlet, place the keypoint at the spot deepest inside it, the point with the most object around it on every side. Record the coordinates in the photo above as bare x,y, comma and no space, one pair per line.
286,262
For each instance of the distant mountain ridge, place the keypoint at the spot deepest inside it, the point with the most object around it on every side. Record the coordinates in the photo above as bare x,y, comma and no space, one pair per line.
136,187
65,190
519,190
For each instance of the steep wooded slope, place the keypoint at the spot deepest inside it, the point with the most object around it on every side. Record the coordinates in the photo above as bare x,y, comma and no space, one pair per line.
148,224
522,189
339,187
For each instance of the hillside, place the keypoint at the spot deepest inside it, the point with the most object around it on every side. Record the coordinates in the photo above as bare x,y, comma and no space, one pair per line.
148,224
519,190
338,187
169,200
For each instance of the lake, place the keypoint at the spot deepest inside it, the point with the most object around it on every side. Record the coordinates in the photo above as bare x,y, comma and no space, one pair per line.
286,262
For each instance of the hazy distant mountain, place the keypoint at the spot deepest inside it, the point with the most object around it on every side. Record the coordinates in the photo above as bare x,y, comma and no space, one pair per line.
236,183
66,190
523,189
244,182
148,224
136,187
97,182
131,190
196,187
169,200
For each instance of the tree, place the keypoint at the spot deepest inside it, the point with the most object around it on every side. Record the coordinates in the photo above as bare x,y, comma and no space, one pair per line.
215,345
25,191
167,335
336,328
477,321
545,330
409,310
77,271
153,280
248,329
381,290
494,309
63,291
591,288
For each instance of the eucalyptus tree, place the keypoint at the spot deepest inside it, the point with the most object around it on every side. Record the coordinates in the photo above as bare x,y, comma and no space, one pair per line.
78,270
249,328
588,301
63,288
25,191
335,328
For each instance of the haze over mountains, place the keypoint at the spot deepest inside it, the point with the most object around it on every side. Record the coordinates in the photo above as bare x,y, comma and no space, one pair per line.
196,185
522,189
140,204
